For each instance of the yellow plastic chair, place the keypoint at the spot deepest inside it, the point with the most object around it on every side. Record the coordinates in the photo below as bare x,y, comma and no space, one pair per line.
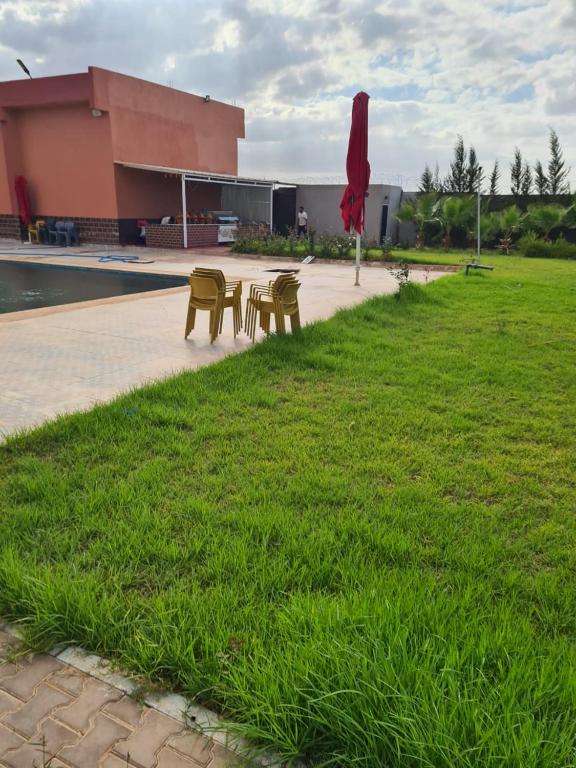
278,287
34,231
259,293
261,299
280,299
232,295
287,306
205,294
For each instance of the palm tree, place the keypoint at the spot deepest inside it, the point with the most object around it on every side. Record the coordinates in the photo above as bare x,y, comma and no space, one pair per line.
489,227
570,215
418,212
544,218
455,213
510,221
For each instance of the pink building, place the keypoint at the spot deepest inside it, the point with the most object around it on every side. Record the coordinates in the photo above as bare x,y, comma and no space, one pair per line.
104,150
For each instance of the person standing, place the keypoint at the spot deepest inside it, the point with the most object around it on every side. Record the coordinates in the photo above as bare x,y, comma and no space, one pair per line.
302,218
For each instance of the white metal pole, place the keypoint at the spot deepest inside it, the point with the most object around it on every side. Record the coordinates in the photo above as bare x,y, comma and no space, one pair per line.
357,259
184,212
478,216
272,208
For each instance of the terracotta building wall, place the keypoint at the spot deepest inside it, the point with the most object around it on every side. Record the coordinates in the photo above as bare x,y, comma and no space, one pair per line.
66,135
146,195
46,91
66,157
155,125
10,162
150,195
30,127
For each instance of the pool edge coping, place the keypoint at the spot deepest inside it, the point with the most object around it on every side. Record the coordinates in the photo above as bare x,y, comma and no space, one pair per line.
29,314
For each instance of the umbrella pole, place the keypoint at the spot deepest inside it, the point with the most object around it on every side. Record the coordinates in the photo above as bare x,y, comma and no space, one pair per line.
357,259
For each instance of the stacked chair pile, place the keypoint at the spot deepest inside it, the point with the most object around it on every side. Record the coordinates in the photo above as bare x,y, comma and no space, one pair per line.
210,291
278,298
52,232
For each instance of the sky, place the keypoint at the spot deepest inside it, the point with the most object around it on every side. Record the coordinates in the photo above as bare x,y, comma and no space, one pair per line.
500,73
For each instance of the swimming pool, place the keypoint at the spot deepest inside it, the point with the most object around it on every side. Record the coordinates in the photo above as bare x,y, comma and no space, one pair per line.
30,286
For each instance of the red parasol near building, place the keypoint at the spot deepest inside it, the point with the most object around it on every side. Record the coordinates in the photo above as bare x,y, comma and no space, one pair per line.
358,172
24,209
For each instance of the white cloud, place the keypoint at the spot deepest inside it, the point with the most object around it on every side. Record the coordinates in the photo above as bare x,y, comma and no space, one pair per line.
498,72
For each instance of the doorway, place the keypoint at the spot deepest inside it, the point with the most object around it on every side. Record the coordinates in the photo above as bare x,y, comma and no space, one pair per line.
384,223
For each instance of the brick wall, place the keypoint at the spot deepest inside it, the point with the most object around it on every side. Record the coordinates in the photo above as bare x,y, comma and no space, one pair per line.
164,236
9,227
107,231
171,235
90,230
202,234
96,230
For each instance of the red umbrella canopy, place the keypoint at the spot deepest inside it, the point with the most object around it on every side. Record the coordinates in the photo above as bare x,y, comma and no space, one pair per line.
357,166
24,209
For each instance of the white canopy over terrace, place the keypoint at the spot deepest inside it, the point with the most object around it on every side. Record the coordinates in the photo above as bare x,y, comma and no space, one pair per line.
250,199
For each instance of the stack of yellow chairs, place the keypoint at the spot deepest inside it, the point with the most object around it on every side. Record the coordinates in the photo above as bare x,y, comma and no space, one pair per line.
210,291
34,231
278,298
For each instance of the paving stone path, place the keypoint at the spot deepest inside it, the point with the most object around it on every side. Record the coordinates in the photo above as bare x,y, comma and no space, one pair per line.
54,715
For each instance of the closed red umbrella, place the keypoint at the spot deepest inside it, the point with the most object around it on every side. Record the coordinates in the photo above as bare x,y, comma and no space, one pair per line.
24,209
358,172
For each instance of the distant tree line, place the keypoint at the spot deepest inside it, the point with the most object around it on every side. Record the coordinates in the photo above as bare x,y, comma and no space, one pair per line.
467,176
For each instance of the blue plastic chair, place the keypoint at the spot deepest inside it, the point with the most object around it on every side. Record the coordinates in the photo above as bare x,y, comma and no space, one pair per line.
71,233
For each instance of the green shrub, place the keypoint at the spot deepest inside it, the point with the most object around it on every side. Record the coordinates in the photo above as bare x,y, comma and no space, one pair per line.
311,241
326,247
291,241
275,245
386,248
528,242
563,249
269,245
531,246
538,249
342,245
368,244
246,245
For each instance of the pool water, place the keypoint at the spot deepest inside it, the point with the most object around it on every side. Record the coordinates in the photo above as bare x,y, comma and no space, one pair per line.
30,286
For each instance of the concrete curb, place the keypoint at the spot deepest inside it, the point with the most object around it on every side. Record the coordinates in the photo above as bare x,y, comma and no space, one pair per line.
189,714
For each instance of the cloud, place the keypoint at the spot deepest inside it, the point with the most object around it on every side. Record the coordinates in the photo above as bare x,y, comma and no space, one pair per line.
498,72
302,83
561,98
374,26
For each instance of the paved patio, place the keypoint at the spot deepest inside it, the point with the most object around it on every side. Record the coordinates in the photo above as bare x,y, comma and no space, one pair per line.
68,358
53,714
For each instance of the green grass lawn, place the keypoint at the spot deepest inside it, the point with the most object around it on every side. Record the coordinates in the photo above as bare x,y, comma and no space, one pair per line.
359,544
440,256
411,255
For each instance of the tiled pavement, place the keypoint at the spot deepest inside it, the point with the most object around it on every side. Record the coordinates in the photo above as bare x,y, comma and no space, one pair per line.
52,714
68,358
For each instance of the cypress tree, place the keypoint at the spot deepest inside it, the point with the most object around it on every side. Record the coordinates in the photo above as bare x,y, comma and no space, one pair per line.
473,172
438,185
540,179
495,179
516,169
457,180
426,180
557,169
527,180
